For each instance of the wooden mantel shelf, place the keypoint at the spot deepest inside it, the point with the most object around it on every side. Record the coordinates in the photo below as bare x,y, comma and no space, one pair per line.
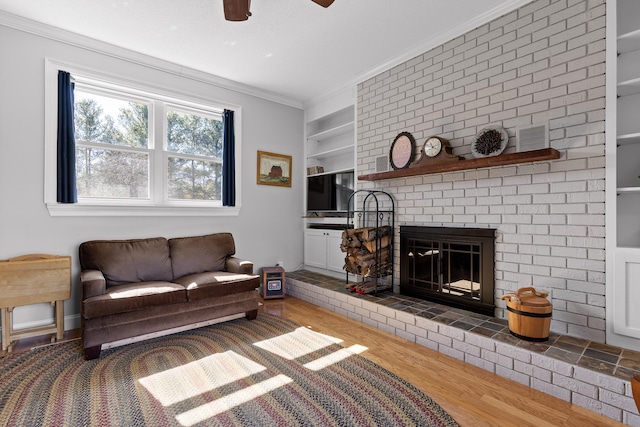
450,166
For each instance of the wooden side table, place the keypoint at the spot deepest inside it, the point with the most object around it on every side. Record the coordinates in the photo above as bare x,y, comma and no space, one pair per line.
33,279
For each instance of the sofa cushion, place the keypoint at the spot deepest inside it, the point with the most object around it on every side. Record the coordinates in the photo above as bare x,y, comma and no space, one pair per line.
198,254
127,261
216,284
133,296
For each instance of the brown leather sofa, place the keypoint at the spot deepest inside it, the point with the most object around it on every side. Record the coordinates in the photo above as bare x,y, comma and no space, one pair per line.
134,289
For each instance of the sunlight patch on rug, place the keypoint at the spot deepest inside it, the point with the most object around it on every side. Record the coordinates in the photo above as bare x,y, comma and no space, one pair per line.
226,403
335,357
192,379
298,343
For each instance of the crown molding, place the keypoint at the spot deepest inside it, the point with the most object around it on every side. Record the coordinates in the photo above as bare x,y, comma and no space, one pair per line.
93,45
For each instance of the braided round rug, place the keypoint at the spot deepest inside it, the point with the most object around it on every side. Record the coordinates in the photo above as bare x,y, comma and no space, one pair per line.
265,372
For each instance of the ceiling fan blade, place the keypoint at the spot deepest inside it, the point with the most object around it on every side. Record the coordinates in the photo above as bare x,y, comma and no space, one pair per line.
236,10
323,3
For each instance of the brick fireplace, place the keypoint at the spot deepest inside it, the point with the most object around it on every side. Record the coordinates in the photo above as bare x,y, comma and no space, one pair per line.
543,63
449,265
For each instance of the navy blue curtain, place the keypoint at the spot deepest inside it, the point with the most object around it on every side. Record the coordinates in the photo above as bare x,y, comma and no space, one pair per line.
66,141
228,160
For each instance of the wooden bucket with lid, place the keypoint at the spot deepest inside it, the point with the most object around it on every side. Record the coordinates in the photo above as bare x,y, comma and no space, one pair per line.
529,314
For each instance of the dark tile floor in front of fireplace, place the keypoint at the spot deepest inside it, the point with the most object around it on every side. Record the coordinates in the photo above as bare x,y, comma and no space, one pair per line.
599,357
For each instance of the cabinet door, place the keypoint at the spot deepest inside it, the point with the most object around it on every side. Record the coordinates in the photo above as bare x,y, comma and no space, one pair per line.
627,292
335,256
315,248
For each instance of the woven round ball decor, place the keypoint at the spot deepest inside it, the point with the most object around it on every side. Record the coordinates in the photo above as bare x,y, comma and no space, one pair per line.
265,372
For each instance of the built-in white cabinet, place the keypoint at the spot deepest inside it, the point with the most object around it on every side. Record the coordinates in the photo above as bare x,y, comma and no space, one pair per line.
623,172
330,141
330,145
628,123
322,249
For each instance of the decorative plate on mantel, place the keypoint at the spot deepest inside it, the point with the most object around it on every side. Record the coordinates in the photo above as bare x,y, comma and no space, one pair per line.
402,151
490,141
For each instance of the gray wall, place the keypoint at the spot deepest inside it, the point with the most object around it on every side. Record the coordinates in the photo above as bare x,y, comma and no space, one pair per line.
268,228
544,62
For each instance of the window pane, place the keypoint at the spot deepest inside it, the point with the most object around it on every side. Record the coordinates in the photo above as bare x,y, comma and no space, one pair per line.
111,173
109,120
194,179
189,133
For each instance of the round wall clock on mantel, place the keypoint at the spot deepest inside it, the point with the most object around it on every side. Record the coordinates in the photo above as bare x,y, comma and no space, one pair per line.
433,145
402,150
435,150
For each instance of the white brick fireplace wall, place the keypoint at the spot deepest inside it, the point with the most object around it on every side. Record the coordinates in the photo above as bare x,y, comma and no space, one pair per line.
543,63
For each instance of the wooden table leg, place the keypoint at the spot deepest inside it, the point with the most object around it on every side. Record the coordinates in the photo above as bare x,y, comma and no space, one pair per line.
6,328
5,339
59,319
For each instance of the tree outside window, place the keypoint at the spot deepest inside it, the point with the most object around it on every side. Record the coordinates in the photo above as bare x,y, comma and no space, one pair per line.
114,156
195,162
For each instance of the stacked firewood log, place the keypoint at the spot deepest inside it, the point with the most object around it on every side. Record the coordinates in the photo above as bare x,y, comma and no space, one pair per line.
367,255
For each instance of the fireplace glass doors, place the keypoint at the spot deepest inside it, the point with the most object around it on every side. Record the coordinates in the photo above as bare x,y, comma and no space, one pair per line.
452,266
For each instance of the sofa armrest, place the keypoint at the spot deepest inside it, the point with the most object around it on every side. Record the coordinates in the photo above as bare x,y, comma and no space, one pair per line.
93,283
237,265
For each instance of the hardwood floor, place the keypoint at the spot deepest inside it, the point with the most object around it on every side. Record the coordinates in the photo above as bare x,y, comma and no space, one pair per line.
473,396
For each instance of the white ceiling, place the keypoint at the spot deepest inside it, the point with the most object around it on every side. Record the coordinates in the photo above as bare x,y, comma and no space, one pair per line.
293,48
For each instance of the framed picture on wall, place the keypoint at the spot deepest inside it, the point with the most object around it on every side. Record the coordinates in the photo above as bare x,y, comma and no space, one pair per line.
273,169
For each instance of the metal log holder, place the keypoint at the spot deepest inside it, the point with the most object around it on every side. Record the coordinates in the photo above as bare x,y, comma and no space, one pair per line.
377,210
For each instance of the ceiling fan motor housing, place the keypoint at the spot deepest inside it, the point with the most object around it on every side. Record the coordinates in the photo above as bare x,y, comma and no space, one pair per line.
238,10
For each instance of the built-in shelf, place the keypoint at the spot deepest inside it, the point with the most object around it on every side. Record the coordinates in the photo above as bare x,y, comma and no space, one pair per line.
623,185
450,166
628,190
330,172
335,215
629,87
330,141
632,138
330,153
629,42
330,133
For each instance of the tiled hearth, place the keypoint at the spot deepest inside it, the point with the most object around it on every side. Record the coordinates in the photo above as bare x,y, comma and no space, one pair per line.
588,374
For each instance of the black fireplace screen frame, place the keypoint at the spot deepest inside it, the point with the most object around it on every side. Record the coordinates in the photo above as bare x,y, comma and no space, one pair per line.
431,244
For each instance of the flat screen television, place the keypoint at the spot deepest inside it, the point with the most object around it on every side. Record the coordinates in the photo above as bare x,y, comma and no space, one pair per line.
329,192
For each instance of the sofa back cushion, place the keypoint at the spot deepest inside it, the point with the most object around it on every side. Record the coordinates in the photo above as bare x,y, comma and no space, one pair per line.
128,261
190,255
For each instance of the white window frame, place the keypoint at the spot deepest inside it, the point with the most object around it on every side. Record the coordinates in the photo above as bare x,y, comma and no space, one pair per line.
157,205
